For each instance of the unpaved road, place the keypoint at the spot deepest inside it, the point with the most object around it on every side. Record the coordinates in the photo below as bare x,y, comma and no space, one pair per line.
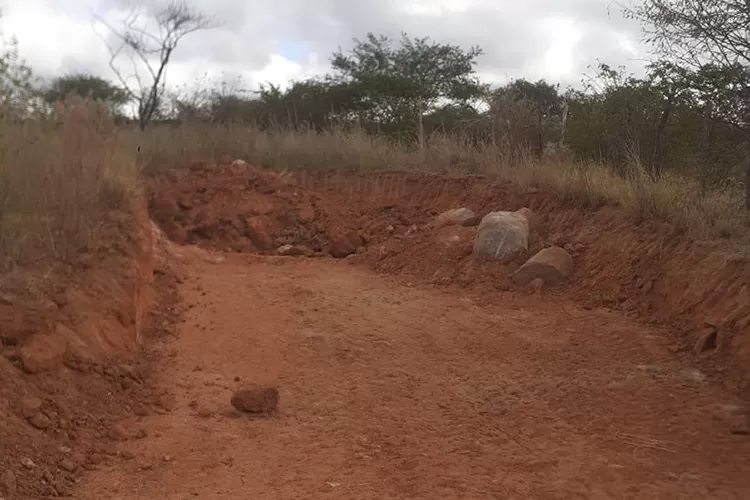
397,392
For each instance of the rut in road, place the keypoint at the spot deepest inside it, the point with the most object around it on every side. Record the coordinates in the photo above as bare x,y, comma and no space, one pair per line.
390,391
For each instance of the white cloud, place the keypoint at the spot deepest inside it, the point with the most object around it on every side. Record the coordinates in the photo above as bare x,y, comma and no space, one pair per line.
554,39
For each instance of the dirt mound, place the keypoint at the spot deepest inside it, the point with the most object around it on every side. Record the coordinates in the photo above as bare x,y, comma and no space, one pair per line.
70,336
237,207
621,262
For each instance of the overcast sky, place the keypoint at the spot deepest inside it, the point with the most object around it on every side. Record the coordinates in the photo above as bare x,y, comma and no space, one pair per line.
287,39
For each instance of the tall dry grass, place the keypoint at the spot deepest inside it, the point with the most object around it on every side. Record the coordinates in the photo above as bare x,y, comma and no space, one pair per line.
671,198
60,178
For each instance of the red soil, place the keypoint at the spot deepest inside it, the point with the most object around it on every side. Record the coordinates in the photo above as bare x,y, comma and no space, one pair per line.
389,387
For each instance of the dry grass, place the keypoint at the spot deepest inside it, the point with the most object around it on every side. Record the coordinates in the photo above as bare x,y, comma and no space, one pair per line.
60,178
674,199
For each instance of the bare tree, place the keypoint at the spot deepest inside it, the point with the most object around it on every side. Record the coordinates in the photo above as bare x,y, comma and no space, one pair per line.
150,50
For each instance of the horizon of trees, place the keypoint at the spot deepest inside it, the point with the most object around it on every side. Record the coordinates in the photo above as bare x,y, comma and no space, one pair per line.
689,113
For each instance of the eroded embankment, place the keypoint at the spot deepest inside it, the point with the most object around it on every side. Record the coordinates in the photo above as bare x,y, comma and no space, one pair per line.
70,365
699,290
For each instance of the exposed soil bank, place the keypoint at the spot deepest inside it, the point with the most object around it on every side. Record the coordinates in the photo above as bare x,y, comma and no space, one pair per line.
699,290
70,366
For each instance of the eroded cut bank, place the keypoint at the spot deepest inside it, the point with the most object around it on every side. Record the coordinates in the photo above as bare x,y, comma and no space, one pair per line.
70,366
387,221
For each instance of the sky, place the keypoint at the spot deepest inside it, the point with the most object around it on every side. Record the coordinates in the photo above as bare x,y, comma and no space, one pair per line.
278,41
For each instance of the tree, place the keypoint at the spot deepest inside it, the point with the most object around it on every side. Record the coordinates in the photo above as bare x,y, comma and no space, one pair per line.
17,94
150,52
711,38
396,87
89,87
522,110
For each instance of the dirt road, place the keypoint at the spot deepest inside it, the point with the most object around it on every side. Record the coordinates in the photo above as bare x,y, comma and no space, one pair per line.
395,392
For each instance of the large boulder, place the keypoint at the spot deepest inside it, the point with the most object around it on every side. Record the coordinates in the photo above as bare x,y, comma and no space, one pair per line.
552,265
502,236
456,217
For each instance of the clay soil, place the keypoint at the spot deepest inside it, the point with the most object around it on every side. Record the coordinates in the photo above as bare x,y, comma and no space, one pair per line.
406,369
390,391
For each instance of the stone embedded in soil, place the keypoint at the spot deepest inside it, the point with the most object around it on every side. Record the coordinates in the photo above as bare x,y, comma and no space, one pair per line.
118,433
256,399
707,341
344,244
204,413
68,465
258,230
552,265
43,353
293,250
30,406
502,236
8,482
40,421
455,217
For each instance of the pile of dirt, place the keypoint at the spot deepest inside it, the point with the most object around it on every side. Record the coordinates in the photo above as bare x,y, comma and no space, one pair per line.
237,207
621,262
70,339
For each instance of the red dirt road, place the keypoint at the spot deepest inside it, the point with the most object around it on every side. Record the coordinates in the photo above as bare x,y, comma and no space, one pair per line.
396,392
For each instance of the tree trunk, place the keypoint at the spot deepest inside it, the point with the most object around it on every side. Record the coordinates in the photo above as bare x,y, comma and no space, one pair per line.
660,150
420,134
563,124
706,149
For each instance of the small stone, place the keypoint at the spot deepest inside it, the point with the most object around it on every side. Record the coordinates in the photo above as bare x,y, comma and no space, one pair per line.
455,217
344,244
291,251
8,482
30,406
141,411
118,433
127,455
47,476
28,463
68,465
141,434
40,421
63,490
146,466
193,404
256,399
707,341
167,458
205,413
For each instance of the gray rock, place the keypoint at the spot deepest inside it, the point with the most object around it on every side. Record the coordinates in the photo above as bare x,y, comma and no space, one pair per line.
502,236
